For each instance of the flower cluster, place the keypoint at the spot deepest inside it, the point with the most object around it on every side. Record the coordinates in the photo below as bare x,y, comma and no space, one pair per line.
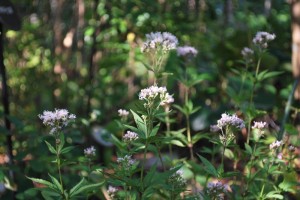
247,53
214,128
90,151
187,51
261,39
259,125
149,94
275,145
292,148
123,113
159,41
216,190
230,120
112,191
130,136
177,180
126,161
56,119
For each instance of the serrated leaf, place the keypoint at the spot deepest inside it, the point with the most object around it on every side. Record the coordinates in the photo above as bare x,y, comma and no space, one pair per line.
51,148
198,136
209,167
67,149
77,186
181,109
154,130
86,188
274,194
177,143
44,182
140,123
56,183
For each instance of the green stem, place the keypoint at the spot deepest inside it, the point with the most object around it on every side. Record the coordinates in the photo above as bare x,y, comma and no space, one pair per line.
58,164
249,179
287,109
249,130
143,165
223,153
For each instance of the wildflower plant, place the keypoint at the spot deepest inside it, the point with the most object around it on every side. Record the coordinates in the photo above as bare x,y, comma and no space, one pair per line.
255,169
57,120
157,46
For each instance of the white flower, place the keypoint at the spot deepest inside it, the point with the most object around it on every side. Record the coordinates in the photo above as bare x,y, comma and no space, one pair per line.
164,41
259,125
214,128
90,151
123,113
149,94
261,39
292,148
56,119
126,161
112,191
230,120
177,179
247,53
130,136
216,190
187,51
275,145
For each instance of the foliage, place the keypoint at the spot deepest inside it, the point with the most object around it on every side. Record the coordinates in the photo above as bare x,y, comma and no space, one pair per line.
87,57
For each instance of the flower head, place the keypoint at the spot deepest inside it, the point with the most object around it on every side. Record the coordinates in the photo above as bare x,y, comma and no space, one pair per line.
123,113
187,51
292,148
216,190
130,136
261,39
56,119
149,95
90,151
177,180
230,120
275,145
214,128
112,191
159,41
247,54
126,161
259,125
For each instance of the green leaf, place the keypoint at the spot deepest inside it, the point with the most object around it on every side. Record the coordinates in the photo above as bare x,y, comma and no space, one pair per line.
181,109
198,136
274,194
61,142
154,130
177,143
209,167
248,149
229,154
67,149
140,123
289,182
51,148
56,183
77,186
85,188
44,182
